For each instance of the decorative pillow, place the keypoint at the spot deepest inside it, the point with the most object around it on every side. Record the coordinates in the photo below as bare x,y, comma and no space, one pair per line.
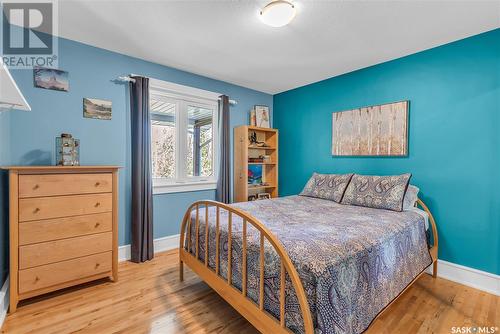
411,197
327,186
379,192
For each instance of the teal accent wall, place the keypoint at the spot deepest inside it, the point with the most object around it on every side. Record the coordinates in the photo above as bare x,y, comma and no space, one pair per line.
454,138
92,72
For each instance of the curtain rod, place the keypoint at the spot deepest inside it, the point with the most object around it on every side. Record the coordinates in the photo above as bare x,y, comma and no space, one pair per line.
127,78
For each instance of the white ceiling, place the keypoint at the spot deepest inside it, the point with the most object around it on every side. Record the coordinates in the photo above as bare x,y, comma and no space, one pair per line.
225,40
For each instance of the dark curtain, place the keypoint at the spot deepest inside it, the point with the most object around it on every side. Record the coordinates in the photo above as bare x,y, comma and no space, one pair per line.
223,193
142,189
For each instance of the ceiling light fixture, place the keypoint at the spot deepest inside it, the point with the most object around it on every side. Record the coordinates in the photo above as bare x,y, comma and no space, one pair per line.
278,13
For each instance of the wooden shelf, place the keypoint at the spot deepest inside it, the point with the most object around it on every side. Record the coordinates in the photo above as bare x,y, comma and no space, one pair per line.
261,148
262,163
256,128
244,151
260,187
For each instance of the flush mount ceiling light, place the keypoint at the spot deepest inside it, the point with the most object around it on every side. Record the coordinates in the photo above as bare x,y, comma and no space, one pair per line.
278,13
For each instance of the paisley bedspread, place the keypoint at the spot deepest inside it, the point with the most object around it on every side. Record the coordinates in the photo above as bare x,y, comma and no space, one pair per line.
352,261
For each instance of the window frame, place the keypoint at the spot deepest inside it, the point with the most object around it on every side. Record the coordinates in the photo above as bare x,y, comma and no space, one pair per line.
183,96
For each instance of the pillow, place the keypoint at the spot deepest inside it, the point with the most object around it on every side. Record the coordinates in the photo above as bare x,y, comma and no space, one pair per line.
379,192
327,186
411,197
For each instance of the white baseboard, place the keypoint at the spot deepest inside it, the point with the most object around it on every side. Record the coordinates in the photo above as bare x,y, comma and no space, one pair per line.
160,245
4,301
474,278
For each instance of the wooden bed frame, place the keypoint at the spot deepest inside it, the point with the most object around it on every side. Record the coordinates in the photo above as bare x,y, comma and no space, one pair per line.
255,313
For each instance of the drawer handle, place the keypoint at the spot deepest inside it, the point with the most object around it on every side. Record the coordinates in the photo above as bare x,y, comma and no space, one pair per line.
97,184
97,225
37,279
36,187
97,204
97,265
36,210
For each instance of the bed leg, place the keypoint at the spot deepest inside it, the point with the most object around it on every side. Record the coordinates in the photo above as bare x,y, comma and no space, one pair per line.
181,271
434,268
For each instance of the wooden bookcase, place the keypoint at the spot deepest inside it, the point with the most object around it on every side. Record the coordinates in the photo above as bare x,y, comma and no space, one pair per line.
244,151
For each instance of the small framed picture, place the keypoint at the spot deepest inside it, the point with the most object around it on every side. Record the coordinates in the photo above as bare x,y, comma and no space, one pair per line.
98,109
264,196
262,116
253,119
50,78
255,174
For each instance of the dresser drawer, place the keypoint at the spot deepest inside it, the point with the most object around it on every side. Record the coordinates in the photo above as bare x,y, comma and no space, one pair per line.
63,206
64,184
61,228
61,272
65,249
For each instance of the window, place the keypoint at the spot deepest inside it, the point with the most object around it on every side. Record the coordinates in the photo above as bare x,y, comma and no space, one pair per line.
183,137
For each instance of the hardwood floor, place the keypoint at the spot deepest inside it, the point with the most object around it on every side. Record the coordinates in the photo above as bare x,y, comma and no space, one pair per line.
148,298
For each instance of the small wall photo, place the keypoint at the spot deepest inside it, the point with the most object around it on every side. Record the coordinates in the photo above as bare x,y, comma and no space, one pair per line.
49,78
97,109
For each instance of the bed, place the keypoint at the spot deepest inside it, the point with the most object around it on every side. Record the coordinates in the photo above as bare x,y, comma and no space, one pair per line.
335,274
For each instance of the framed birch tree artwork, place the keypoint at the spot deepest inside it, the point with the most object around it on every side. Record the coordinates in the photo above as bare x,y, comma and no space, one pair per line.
371,131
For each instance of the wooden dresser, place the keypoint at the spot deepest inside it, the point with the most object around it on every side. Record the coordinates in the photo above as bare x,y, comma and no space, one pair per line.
63,227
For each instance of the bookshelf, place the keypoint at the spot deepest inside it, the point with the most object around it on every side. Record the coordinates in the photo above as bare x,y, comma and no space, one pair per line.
247,156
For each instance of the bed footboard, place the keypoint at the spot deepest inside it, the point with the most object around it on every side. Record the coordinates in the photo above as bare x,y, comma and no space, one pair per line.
434,249
254,313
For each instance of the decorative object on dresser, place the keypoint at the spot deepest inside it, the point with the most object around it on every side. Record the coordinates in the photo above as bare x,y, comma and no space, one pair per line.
67,150
63,227
255,162
371,131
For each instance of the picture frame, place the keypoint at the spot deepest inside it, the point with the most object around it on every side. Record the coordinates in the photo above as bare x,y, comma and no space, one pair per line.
253,118
97,108
255,174
51,79
377,130
262,116
264,196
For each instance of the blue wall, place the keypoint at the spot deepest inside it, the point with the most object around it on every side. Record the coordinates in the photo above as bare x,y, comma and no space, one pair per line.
454,93
91,74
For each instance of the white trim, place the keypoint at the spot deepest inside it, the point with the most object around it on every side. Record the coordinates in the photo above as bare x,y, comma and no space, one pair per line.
184,97
168,188
160,245
474,278
176,89
4,301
